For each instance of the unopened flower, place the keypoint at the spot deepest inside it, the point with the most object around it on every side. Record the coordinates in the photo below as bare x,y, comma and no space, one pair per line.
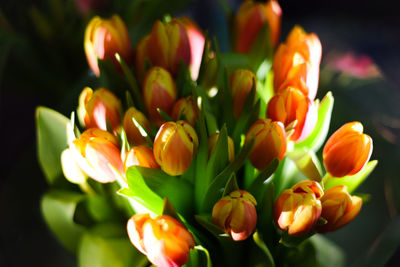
140,156
241,81
236,214
347,151
132,132
175,146
186,109
298,209
212,142
164,240
269,142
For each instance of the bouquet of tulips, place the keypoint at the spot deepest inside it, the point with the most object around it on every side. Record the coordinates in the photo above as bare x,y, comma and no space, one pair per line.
185,155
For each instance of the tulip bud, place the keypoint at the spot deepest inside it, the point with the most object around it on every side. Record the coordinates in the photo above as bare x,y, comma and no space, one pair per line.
132,132
298,209
140,156
338,208
164,240
175,146
269,142
347,151
104,38
236,214
186,107
98,155
250,20
212,142
159,91
241,81
296,62
98,107
291,105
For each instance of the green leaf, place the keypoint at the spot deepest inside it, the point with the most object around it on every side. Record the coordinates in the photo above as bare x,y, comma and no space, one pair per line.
230,186
200,261
265,205
168,209
261,49
352,181
307,162
263,176
206,222
95,208
58,208
327,253
260,243
52,139
164,115
205,106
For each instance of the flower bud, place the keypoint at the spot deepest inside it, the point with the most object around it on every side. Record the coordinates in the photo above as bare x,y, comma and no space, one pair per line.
98,155
98,107
175,146
236,214
186,107
104,38
241,81
296,62
298,209
338,208
132,132
250,20
159,91
291,105
269,142
140,156
347,151
164,240
212,142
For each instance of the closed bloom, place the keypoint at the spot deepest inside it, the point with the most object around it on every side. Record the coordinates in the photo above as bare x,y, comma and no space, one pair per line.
296,62
298,209
132,132
347,151
175,146
159,91
98,107
338,208
291,105
269,142
250,20
186,109
140,156
98,154
164,240
236,214
241,81
212,142
104,38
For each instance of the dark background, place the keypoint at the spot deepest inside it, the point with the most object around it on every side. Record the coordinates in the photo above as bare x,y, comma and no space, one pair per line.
36,71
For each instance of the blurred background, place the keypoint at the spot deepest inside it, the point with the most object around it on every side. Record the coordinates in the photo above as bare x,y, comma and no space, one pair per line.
42,63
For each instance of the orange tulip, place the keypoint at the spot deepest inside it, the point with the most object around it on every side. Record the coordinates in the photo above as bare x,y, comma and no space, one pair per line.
241,81
338,208
212,142
104,38
159,91
251,18
140,156
164,240
132,132
298,209
98,107
269,142
296,62
290,105
98,155
236,214
175,146
347,151
186,107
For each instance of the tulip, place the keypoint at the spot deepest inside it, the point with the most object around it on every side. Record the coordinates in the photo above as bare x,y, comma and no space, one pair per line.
212,142
338,208
98,107
296,62
298,209
84,6
98,155
141,55
236,214
186,107
132,132
347,151
241,81
104,38
269,142
250,20
159,91
140,156
175,146
291,105
164,240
